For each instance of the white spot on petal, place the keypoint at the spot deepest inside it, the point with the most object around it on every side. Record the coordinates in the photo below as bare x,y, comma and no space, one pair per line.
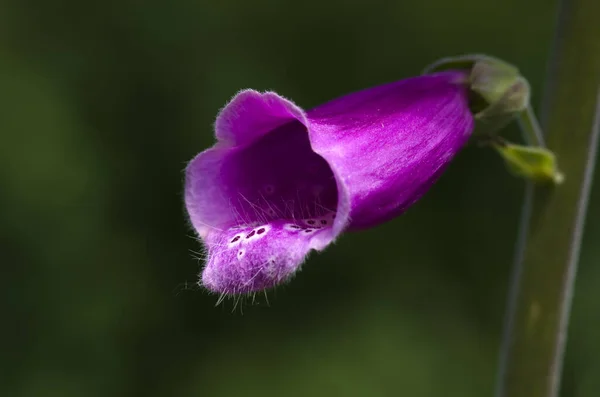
257,233
291,227
235,240
241,253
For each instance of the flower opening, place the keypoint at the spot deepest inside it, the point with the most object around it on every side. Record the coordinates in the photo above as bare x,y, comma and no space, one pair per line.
281,182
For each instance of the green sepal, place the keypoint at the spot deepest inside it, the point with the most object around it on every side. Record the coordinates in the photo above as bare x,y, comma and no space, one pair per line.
532,162
498,94
497,87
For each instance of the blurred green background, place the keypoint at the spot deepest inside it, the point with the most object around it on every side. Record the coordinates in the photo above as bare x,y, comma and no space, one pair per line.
101,106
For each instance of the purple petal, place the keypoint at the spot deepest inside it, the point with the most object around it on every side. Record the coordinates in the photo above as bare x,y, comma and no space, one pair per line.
246,259
356,161
276,177
389,144
251,115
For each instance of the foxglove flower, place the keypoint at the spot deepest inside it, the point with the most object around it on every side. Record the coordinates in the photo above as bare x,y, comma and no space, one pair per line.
281,181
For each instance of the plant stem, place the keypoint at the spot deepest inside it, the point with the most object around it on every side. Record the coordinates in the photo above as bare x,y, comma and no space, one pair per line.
553,218
531,128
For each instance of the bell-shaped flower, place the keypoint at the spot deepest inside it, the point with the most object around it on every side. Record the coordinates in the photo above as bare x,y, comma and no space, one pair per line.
281,181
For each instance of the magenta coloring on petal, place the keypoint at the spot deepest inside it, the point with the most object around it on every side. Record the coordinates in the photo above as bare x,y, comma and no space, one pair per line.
252,258
281,182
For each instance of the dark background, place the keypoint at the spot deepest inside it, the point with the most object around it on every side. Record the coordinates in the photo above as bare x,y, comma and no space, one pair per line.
101,106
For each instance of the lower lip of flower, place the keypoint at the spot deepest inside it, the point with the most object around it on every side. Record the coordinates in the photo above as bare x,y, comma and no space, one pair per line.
282,196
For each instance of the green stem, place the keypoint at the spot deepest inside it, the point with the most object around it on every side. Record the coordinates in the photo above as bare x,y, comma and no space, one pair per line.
531,128
553,218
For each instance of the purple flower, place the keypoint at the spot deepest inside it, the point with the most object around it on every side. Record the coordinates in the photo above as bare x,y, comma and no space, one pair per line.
281,181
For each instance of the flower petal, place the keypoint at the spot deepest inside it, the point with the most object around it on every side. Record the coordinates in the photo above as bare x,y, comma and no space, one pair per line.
252,258
389,144
267,176
355,161
250,115
263,145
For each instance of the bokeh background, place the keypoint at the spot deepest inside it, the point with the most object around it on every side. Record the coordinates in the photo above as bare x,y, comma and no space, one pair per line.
101,106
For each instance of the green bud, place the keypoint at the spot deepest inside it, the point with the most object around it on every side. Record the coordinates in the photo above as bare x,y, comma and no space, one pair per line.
499,91
499,94
532,162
